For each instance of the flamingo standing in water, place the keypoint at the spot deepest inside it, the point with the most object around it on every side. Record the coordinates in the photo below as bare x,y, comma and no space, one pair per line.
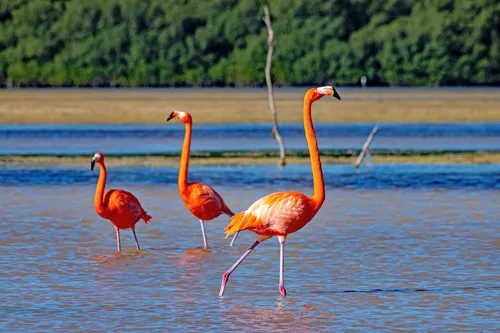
201,200
122,208
283,213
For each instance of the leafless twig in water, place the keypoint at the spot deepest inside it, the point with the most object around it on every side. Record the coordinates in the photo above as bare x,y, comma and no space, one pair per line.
366,146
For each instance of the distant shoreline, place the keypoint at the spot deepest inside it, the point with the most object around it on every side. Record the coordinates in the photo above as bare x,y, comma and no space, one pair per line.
479,157
246,105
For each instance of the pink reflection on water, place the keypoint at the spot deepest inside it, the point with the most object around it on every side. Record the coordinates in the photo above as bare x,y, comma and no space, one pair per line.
300,319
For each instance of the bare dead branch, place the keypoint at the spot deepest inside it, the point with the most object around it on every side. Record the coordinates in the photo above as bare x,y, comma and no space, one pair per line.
365,146
269,83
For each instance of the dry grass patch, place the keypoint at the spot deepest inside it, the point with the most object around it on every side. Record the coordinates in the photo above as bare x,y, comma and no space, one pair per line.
126,106
167,161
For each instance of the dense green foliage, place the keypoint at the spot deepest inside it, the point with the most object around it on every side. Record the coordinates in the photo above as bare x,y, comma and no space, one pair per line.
223,42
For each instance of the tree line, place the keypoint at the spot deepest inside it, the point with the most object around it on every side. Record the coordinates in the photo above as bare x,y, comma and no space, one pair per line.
223,42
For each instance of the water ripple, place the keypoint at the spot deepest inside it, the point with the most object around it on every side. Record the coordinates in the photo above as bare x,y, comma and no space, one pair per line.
375,258
133,139
342,176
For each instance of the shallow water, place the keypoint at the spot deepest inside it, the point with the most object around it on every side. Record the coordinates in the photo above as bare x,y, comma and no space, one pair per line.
485,176
167,138
393,247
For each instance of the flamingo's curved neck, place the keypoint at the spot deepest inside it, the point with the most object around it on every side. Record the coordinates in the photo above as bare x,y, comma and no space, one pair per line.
99,192
312,143
183,171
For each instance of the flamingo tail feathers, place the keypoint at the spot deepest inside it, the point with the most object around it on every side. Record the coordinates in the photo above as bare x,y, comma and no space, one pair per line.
145,217
238,222
227,211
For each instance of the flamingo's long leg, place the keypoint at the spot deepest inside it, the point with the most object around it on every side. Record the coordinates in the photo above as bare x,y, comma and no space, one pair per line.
225,276
234,238
282,266
205,243
118,239
136,241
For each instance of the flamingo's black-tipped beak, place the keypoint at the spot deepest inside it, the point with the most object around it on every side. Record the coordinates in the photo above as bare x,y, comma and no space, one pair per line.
336,94
92,164
171,116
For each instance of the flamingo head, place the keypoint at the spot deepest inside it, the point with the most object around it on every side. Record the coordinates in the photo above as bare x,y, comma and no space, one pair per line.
183,116
99,158
314,94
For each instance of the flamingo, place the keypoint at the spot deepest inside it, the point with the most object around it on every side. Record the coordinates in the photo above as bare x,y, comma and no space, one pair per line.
122,208
201,200
282,213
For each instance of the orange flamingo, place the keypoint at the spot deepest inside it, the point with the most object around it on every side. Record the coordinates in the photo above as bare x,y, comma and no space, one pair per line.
122,208
201,200
283,213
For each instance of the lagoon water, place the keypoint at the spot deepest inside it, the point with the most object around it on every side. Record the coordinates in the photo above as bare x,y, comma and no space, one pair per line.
167,138
406,247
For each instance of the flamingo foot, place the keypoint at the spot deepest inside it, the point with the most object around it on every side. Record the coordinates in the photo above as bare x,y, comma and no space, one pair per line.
282,291
225,278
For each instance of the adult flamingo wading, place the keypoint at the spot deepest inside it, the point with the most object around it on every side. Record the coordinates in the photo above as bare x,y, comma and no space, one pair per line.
122,208
201,200
282,213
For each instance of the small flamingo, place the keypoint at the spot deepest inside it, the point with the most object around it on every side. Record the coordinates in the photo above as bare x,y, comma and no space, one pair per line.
283,213
122,208
201,200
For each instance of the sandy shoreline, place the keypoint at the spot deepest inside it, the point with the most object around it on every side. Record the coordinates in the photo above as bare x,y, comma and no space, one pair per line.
213,105
173,161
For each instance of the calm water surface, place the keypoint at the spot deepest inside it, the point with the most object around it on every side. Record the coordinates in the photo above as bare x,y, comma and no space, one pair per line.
167,138
394,247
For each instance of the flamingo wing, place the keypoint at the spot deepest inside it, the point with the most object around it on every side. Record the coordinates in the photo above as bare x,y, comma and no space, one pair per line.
222,205
204,194
204,202
123,202
279,213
